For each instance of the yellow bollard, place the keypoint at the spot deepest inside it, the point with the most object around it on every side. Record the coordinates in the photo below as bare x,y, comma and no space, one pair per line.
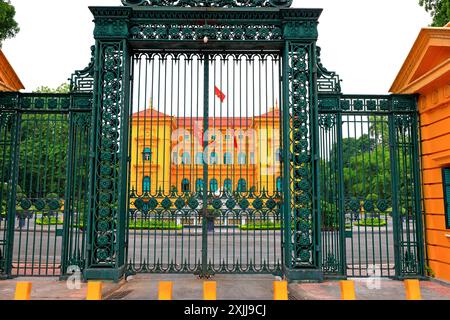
209,290
165,290
412,290
23,291
347,290
280,290
94,290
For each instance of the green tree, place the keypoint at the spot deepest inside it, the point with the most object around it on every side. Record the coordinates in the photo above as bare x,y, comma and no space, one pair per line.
8,25
439,10
42,151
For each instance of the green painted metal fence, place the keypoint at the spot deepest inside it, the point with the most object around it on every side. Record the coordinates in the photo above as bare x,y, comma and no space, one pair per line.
205,170
147,165
43,165
370,187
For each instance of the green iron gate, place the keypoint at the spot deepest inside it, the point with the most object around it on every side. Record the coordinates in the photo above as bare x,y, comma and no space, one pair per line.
371,218
205,174
43,165
209,140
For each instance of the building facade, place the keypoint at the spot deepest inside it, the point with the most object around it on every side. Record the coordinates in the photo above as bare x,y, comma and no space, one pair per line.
168,153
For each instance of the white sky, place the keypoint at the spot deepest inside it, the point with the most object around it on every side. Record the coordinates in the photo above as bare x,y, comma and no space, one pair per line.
365,41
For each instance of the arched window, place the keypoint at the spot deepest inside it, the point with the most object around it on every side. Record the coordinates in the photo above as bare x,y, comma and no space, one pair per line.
213,158
185,187
199,158
186,158
147,154
279,184
242,185
228,185
146,184
199,185
213,185
228,158
242,158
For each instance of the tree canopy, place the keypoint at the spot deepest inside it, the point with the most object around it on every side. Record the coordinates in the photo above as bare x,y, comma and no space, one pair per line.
439,10
63,88
8,25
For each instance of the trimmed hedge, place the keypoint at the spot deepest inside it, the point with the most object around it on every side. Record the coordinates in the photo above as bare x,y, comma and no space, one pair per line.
261,226
154,225
370,222
52,222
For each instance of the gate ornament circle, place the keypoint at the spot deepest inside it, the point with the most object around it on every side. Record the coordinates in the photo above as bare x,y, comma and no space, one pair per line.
54,204
39,204
25,204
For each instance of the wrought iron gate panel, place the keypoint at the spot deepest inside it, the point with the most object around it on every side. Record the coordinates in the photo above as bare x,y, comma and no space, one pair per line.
250,116
205,166
370,200
8,127
76,204
40,190
34,180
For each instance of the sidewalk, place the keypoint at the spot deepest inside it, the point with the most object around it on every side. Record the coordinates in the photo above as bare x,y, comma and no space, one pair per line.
229,287
368,289
52,289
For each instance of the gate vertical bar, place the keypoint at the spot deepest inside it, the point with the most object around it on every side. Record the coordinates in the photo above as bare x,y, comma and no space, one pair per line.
415,136
286,205
67,197
204,271
341,194
12,197
395,202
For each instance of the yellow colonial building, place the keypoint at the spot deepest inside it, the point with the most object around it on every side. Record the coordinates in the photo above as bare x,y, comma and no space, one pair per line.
169,153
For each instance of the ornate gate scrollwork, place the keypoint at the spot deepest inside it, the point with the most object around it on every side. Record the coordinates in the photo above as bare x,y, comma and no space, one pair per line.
209,3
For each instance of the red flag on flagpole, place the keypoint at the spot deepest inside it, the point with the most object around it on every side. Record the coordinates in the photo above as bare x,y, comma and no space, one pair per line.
235,143
219,94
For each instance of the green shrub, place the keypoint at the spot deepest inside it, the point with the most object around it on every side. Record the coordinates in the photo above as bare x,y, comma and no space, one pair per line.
52,221
371,222
51,196
154,225
266,225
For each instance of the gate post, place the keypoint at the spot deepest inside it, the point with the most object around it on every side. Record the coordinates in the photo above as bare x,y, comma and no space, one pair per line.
301,209
108,154
11,207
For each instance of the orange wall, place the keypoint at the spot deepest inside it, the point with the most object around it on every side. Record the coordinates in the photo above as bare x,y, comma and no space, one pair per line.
434,107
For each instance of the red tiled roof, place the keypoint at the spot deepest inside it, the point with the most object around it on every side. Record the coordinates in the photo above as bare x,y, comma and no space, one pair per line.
150,113
217,122
9,81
